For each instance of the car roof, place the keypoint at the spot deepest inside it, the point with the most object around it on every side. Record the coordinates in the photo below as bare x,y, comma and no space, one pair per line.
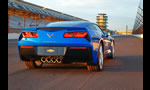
69,24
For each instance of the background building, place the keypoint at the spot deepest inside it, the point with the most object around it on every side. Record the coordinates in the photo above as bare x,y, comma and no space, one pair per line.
124,32
138,25
102,21
23,14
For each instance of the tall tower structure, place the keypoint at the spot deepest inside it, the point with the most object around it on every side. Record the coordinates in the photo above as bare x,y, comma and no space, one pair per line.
138,25
102,21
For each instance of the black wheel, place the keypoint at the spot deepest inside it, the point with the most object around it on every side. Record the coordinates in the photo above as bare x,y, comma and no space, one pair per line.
100,58
33,64
112,54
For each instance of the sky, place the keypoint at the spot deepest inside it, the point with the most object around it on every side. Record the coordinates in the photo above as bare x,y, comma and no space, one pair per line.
120,12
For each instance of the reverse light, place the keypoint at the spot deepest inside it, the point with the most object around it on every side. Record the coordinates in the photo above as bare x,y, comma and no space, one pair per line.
30,35
75,34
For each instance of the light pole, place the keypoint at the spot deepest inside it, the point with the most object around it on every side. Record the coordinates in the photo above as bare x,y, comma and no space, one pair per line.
126,29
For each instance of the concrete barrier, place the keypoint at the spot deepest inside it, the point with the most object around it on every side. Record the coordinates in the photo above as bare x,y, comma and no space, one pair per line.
13,35
138,35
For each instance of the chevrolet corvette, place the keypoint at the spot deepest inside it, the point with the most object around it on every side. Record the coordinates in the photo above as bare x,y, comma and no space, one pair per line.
65,42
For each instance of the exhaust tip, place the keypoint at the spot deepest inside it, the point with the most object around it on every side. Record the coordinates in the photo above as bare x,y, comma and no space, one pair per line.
52,59
59,60
43,59
48,59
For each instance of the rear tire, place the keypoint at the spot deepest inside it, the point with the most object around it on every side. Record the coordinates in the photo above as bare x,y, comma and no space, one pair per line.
99,65
33,64
100,58
92,68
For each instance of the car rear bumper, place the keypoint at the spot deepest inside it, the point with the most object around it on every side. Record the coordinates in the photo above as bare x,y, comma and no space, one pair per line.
70,55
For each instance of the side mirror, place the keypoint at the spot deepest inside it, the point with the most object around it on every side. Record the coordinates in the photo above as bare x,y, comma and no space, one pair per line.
106,34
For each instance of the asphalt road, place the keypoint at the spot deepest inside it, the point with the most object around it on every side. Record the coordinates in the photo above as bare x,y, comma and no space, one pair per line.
124,72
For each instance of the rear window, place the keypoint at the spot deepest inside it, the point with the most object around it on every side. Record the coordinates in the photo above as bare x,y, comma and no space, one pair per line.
92,27
64,24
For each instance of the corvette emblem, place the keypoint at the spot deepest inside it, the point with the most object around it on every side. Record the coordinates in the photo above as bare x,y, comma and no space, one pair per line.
50,35
50,50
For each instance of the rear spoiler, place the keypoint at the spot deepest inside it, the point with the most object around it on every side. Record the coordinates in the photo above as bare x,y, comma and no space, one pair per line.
61,28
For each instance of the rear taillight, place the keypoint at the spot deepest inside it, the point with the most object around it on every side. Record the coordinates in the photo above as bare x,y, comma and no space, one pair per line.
29,35
26,46
75,34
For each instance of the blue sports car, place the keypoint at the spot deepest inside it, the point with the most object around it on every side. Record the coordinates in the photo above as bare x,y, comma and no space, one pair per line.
65,42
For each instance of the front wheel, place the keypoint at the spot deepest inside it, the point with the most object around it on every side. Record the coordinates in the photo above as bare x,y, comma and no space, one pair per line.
112,54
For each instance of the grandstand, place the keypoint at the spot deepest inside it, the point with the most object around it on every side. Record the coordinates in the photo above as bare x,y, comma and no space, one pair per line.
23,14
138,25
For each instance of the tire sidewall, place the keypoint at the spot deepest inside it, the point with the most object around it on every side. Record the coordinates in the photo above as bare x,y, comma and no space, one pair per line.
112,54
98,65
37,66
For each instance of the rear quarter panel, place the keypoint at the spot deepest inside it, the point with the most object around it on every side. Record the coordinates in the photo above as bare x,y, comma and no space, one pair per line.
96,37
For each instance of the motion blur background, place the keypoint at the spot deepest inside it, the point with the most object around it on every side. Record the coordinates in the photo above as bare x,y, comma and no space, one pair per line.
123,17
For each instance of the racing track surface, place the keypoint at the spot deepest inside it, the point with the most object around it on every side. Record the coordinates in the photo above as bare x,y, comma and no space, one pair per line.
125,72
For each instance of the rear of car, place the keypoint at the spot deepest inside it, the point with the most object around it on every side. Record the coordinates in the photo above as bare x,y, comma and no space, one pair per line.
53,44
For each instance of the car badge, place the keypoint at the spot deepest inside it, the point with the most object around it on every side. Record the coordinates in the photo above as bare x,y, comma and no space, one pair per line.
50,50
50,35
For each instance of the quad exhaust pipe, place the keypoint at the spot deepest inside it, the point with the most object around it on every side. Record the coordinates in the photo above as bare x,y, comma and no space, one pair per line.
52,59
